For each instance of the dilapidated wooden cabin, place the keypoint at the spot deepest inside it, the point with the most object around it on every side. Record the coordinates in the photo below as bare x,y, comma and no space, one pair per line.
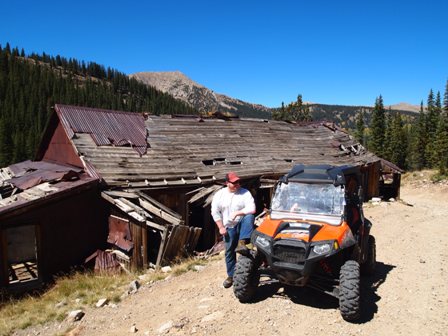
51,217
158,173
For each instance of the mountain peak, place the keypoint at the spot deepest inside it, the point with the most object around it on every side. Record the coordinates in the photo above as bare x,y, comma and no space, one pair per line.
203,99
165,80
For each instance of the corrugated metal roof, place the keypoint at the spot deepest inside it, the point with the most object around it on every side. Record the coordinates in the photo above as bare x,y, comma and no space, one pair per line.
38,181
106,127
27,174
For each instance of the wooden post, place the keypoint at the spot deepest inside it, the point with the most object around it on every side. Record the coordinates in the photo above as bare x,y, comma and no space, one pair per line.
164,235
145,246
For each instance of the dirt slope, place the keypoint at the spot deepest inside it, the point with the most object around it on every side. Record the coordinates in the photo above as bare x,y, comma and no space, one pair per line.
408,295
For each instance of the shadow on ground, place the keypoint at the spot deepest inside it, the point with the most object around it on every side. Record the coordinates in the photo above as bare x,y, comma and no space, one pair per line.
313,298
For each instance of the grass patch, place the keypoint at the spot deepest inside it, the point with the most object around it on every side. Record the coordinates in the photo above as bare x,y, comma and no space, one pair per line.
187,265
75,291
439,177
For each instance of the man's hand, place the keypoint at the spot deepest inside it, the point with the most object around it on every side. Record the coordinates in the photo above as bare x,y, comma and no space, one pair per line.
223,230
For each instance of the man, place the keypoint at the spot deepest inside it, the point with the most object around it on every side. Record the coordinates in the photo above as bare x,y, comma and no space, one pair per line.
233,210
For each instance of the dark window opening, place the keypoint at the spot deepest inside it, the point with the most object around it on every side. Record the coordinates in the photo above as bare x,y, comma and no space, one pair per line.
220,161
22,254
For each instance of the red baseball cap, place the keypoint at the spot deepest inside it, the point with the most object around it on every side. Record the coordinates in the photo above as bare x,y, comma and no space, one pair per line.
232,177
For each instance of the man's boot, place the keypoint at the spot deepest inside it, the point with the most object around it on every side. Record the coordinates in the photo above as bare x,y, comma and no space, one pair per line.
228,282
243,248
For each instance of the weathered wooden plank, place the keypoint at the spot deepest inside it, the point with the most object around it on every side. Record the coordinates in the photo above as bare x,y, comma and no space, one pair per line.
163,240
159,210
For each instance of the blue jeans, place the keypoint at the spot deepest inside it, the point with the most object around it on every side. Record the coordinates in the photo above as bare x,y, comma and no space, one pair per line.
243,230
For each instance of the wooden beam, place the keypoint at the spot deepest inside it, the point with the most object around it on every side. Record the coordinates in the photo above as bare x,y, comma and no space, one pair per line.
155,225
145,247
121,194
161,247
155,210
159,205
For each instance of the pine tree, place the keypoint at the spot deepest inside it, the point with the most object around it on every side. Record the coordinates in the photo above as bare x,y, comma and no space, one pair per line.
387,146
6,144
441,141
432,121
295,111
360,127
378,127
418,141
445,99
398,141
441,144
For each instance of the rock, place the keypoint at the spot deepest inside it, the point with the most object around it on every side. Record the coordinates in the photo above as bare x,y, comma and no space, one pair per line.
133,329
165,327
181,323
76,315
198,268
60,304
101,303
133,287
212,317
143,277
166,269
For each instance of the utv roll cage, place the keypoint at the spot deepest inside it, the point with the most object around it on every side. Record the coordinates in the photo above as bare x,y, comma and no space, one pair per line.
322,174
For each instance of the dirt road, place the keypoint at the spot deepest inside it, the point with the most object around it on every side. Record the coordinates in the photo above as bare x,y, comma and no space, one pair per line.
408,294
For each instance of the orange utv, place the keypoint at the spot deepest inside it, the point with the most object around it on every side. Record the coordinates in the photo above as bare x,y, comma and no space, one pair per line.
314,235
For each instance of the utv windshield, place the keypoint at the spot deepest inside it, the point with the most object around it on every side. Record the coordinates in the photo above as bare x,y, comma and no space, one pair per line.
304,198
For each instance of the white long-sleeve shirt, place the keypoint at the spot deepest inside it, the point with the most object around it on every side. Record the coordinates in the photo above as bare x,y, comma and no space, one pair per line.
225,203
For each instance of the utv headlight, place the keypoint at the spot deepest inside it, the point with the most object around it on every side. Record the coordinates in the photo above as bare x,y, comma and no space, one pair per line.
322,248
262,242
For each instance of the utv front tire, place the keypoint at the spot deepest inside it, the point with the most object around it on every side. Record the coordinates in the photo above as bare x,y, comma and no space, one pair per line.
368,267
349,291
245,279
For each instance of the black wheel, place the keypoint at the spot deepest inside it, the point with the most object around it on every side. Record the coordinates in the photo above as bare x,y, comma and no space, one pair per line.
349,291
368,267
245,279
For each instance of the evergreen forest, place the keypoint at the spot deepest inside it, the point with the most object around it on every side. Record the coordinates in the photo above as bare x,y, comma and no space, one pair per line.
31,84
412,142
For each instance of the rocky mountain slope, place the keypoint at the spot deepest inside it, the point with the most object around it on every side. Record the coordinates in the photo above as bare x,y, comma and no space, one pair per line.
206,100
198,96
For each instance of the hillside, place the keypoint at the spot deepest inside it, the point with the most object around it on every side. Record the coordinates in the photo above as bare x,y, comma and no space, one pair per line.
30,85
198,96
206,100
345,116
409,285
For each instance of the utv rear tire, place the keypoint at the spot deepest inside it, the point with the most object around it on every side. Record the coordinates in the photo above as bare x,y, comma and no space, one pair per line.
349,291
245,279
368,267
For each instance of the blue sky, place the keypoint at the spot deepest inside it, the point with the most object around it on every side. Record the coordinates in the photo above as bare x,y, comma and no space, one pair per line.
266,52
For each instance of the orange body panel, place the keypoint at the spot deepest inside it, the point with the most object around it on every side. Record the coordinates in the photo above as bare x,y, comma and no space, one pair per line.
327,232
330,232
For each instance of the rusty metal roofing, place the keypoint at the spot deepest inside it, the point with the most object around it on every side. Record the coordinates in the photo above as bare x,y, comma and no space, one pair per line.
194,151
28,174
106,127
29,183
